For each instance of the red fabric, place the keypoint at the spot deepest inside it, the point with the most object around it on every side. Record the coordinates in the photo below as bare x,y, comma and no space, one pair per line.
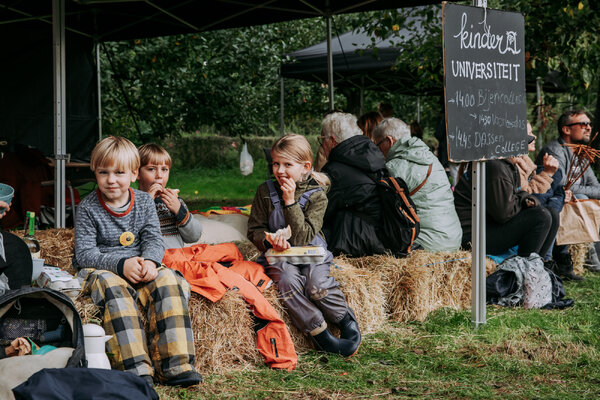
200,265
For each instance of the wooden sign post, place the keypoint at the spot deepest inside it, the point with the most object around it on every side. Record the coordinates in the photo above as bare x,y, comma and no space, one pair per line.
486,114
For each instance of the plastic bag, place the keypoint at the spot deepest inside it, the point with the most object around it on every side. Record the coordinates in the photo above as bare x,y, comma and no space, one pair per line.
246,162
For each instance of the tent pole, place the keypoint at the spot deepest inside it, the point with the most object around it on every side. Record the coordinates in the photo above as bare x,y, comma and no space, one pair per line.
282,107
419,109
99,86
329,61
478,234
58,39
539,143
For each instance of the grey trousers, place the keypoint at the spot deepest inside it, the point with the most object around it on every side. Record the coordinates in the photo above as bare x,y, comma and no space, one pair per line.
308,292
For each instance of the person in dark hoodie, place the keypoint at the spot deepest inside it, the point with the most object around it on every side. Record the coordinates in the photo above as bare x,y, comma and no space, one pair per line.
353,163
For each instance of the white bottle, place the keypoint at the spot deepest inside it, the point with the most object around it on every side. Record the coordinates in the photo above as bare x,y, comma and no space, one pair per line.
94,342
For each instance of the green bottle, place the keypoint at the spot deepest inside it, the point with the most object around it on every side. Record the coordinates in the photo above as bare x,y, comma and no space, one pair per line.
29,237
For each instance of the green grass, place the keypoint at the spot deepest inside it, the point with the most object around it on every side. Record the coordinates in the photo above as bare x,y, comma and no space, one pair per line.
518,354
201,188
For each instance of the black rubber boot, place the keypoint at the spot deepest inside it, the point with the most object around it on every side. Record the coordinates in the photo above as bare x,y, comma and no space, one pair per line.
349,328
564,264
325,341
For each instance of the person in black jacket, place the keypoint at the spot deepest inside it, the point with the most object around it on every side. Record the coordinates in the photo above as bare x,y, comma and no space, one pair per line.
514,217
353,213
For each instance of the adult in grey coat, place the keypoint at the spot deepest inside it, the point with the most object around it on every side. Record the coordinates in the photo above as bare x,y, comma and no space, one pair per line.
574,127
409,158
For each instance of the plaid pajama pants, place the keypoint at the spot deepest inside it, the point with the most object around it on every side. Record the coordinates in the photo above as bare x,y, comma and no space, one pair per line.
166,348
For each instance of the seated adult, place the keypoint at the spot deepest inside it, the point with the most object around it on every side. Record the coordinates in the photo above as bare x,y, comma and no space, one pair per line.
15,258
574,127
409,158
544,183
353,163
367,122
513,216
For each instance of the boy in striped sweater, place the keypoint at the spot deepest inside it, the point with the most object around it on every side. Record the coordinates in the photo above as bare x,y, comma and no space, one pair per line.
177,224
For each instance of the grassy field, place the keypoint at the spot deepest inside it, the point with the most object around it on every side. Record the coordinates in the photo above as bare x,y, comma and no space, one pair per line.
202,188
518,354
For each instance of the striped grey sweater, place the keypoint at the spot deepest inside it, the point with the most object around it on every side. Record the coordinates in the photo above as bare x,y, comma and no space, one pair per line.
98,231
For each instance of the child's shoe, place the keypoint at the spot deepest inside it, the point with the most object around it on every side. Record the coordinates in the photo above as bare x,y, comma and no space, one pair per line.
325,341
185,379
349,328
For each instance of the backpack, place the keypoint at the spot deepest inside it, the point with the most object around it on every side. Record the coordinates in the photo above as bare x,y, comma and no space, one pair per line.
399,220
45,316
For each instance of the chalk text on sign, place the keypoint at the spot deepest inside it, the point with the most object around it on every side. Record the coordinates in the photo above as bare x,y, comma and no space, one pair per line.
486,40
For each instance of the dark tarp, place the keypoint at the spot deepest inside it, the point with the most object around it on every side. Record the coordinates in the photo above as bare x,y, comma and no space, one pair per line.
26,99
356,65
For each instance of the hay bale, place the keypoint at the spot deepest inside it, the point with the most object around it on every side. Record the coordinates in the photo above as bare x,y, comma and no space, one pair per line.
302,343
578,253
56,247
88,311
364,293
423,282
223,333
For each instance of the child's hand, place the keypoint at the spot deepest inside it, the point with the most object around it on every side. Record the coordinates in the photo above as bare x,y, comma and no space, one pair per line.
133,269
289,189
278,242
18,347
149,272
169,196
155,189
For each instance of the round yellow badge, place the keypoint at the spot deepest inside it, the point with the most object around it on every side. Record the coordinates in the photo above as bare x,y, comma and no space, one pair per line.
126,238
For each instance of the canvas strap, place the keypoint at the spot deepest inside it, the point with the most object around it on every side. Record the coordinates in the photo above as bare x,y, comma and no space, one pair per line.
415,190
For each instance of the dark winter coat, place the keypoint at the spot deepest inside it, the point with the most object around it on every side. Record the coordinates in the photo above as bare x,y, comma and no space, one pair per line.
354,211
503,194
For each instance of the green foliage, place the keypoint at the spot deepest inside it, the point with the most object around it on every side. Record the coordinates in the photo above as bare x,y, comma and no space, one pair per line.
228,79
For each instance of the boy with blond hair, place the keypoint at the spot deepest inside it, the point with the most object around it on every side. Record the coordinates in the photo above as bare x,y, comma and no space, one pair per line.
177,224
118,251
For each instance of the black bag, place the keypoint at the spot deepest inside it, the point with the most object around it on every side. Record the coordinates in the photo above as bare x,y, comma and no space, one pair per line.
18,265
44,315
400,223
92,383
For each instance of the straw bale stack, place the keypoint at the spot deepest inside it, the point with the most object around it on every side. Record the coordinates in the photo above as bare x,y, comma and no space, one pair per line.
423,282
578,253
223,333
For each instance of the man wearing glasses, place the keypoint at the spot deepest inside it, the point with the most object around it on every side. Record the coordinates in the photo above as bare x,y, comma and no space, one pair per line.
574,127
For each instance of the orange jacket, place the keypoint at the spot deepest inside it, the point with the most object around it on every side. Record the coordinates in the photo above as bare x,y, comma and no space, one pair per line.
202,267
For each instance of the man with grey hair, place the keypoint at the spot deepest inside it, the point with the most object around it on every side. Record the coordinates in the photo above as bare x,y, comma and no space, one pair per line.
410,159
353,214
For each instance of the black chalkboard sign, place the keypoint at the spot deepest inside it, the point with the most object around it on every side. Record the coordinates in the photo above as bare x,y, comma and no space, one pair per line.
484,83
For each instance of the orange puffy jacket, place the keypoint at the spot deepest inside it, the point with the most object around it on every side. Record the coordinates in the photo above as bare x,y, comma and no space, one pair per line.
202,267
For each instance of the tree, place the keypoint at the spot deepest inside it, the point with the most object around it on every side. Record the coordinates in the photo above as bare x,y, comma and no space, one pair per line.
226,79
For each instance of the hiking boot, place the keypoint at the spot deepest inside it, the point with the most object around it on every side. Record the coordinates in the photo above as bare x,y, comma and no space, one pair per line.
325,341
349,328
564,264
592,263
185,379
